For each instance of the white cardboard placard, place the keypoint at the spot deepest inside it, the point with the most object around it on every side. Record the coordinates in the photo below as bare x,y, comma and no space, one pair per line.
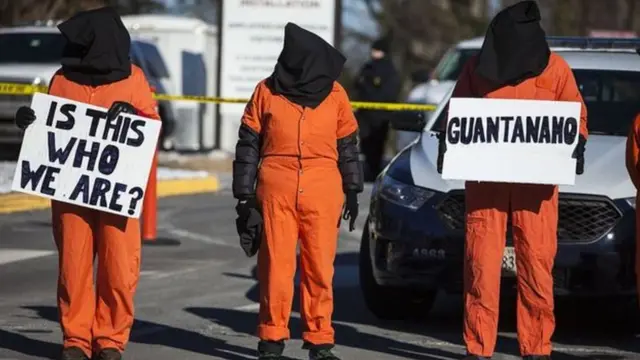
514,141
69,154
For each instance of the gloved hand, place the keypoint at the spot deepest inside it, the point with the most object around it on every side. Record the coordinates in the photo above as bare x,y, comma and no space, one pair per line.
442,148
578,154
249,225
120,107
351,209
25,116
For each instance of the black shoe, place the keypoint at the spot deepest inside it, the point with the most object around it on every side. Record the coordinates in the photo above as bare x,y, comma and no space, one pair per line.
475,357
109,354
73,353
537,357
322,354
270,350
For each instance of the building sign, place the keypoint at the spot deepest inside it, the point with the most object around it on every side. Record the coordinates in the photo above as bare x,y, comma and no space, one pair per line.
252,38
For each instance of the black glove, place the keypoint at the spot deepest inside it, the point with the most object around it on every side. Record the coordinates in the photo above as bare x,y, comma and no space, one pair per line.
578,154
351,209
249,225
25,116
120,107
442,148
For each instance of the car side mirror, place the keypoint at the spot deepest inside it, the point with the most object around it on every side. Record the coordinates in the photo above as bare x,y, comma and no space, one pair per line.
413,121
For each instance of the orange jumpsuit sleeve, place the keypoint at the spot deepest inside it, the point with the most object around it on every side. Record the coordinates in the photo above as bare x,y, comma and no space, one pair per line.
253,110
632,155
348,147
568,91
347,123
245,164
143,99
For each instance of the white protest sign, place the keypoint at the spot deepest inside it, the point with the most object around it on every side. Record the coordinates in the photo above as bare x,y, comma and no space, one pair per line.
515,141
72,154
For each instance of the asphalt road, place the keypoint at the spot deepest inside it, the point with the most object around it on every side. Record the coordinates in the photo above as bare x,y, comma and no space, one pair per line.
198,300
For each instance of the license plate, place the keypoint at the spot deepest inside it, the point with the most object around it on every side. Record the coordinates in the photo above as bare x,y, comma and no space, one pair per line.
509,261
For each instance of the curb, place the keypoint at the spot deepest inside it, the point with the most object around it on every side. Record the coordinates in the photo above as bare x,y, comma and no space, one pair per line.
17,202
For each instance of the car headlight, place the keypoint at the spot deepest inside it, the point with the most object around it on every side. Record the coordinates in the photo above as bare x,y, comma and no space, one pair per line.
631,201
405,195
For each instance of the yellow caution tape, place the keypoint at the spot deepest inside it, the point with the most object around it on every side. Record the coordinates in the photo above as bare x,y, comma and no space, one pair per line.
28,89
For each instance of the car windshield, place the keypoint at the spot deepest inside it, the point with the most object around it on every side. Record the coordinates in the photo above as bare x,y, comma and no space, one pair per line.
612,99
450,67
31,48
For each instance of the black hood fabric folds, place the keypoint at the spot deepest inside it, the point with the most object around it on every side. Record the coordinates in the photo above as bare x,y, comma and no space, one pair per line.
97,49
515,46
306,67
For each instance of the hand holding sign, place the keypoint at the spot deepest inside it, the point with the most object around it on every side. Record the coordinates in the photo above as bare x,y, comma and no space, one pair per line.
74,153
515,141
24,117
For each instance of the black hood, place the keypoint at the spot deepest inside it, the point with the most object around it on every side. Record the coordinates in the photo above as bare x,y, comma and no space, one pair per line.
97,49
306,67
515,46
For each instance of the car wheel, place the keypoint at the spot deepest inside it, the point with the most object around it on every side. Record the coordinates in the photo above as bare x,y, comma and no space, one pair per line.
387,302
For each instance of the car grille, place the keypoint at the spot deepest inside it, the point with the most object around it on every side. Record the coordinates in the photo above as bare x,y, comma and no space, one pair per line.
580,219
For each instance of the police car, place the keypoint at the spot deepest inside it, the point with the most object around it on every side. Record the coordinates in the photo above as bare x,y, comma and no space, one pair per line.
413,241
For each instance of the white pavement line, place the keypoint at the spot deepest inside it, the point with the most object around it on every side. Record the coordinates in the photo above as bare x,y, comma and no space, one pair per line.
12,255
249,307
190,235
165,274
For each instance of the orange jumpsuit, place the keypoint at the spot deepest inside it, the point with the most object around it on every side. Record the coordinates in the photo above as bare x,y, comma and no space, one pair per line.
633,168
300,192
534,211
102,318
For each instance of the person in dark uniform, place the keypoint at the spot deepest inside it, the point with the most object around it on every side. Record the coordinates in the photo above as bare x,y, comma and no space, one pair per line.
378,81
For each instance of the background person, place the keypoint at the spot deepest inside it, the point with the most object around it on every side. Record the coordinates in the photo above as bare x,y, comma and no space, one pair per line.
96,70
378,81
300,128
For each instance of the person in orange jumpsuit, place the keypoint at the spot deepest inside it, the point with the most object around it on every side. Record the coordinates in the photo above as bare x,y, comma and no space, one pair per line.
96,70
515,62
632,159
296,159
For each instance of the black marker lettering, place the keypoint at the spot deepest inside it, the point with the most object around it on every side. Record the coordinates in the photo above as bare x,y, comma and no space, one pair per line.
507,124
52,112
82,187
518,131
136,127
493,129
82,152
478,131
545,134
108,159
49,177
453,130
95,116
557,129
466,129
570,130
59,155
67,110
533,129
